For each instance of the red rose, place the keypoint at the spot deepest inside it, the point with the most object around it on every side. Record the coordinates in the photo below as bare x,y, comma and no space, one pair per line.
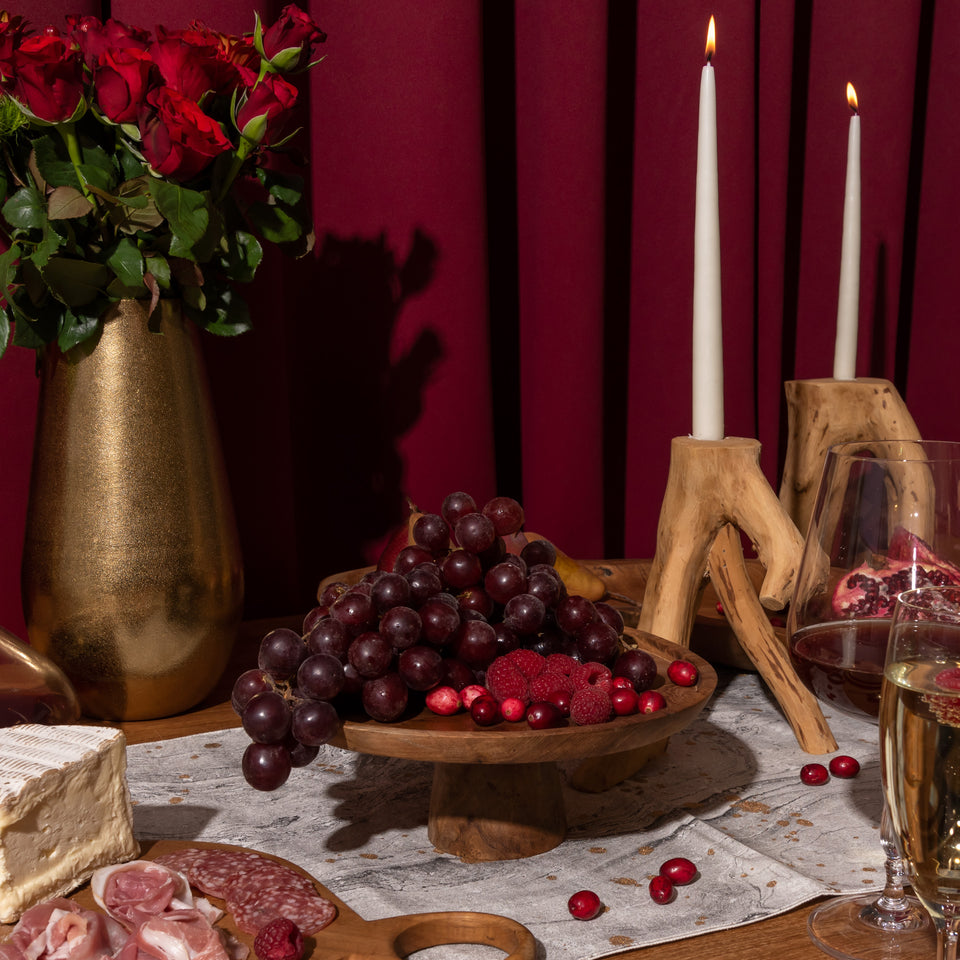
267,109
11,34
95,38
48,77
190,62
179,139
289,43
121,82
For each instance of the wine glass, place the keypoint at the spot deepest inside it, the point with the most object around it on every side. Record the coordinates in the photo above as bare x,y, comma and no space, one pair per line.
884,520
920,749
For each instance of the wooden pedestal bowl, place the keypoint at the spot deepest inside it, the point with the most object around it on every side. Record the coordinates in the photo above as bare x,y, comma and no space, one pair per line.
497,791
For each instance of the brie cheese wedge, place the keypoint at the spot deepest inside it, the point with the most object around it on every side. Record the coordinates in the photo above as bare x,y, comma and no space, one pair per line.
64,810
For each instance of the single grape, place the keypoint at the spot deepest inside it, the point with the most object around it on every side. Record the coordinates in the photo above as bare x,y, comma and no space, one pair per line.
574,613
410,556
424,583
266,766
301,754
246,687
320,677
385,698
390,590
370,655
456,674
420,667
544,587
329,636
439,619
314,722
610,615
504,581
313,618
539,551
475,532
518,561
355,610
507,638
598,641
332,592
460,569
545,569
266,718
281,652
400,627
505,513
524,614
476,600
455,505
475,643
431,531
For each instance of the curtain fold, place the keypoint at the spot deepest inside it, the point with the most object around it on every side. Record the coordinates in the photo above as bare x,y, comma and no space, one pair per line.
500,297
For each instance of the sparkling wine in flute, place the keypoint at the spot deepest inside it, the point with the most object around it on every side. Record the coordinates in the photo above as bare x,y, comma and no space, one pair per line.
920,743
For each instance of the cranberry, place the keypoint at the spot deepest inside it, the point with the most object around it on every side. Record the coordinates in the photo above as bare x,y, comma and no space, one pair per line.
584,905
470,693
513,709
814,774
624,701
678,870
683,673
544,715
443,701
844,767
485,711
624,683
650,701
661,889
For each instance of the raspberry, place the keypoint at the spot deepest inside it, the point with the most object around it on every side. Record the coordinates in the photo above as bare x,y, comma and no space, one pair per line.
528,662
504,680
592,675
590,705
561,663
280,939
547,684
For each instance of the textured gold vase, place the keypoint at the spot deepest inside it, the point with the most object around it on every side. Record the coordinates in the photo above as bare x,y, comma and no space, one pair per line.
132,578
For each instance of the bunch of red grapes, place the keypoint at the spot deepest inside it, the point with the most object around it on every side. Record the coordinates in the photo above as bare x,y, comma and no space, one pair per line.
454,601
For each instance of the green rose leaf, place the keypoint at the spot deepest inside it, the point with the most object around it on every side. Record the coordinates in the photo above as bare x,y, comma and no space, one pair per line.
126,261
75,282
77,328
67,203
244,254
25,210
4,330
187,214
274,222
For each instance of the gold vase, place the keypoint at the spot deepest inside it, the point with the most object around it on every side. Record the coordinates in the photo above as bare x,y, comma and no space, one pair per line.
132,578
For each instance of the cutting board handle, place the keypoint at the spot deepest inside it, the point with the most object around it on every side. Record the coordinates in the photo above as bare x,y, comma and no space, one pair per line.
419,931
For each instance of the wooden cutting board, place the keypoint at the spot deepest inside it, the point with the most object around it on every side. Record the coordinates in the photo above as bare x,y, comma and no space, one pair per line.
349,936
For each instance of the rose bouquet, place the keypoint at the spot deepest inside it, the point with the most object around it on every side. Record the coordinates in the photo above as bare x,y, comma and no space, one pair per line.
144,165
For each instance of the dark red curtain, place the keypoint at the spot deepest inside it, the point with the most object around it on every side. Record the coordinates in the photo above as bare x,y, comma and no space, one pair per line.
500,298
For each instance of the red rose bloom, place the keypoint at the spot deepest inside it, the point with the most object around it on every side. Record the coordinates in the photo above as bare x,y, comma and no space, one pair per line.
11,34
271,103
179,139
48,77
190,62
95,38
294,30
121,82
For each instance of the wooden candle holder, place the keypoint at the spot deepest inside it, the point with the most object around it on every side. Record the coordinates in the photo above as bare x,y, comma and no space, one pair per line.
821,413
715,488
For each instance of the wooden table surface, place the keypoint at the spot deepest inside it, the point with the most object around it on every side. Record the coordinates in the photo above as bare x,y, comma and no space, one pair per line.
784,936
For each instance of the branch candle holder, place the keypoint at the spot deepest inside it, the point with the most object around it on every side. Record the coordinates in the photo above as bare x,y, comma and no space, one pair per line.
715,488
824,412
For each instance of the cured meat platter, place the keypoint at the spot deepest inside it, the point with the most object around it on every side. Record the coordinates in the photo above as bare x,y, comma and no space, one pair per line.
348,935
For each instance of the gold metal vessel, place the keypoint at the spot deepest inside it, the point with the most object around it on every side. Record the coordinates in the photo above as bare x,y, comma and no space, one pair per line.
132,577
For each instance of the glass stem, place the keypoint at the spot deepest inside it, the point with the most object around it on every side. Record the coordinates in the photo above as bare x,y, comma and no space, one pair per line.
892,902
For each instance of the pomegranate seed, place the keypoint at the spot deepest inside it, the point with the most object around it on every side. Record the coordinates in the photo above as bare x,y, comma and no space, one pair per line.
814,774
678,870
651,701
683,673
844,767
584,905
661,889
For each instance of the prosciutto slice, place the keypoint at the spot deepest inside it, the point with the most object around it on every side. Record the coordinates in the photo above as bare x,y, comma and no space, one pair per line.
140,890
61,929
179,938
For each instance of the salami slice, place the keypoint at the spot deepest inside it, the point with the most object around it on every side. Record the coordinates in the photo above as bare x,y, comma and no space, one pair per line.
307,909
212,872
253,876
182,860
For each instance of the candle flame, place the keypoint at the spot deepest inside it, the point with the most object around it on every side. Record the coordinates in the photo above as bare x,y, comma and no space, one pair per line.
711,40
852,98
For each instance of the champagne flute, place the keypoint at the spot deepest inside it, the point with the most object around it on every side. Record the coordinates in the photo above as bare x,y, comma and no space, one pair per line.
882,522
920,749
